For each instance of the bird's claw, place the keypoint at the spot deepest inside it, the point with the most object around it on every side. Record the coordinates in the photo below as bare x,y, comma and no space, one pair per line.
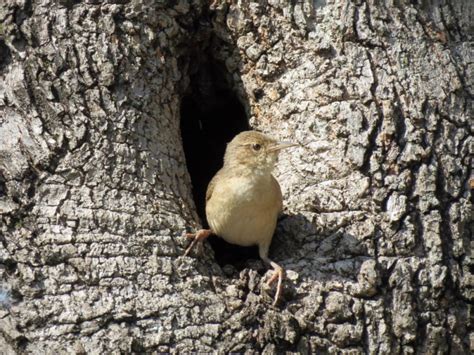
200,235
190,235
277,275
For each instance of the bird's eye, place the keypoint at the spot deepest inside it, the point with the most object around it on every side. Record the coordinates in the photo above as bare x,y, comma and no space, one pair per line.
256,146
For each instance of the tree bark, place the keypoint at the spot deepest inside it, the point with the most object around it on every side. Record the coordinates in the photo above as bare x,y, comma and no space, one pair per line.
95,194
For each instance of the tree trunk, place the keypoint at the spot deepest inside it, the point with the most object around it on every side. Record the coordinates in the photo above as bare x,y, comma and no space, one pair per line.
95,193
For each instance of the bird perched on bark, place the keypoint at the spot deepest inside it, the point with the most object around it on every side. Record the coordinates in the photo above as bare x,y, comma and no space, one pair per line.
243,199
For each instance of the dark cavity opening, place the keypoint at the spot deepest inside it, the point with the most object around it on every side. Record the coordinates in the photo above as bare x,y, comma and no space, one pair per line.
5,55
211,115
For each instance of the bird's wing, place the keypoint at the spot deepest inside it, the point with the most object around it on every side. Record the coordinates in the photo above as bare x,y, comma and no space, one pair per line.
278,193
212,184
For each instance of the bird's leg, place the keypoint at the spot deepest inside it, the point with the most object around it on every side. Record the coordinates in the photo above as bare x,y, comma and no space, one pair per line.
199,236
278,274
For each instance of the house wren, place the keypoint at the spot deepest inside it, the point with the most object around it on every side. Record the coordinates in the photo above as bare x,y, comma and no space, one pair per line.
243,199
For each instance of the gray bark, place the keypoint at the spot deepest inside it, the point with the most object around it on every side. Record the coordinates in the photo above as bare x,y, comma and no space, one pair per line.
95,194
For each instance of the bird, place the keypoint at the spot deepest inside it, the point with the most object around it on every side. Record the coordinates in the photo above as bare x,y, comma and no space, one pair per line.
244,199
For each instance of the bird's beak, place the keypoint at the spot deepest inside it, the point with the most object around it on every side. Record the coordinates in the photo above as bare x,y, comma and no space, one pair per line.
281,145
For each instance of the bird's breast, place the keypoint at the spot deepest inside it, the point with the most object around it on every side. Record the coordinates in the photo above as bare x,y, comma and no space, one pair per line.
244,211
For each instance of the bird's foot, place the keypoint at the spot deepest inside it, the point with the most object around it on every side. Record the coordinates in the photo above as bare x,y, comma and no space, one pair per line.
199,236
279,275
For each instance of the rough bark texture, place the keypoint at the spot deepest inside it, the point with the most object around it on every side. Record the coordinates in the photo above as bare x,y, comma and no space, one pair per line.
95,194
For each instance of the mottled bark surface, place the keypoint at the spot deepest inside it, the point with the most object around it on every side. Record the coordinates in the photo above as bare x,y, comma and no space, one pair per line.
95,194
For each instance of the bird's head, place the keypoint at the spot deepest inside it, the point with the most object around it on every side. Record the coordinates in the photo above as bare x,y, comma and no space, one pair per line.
255,151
